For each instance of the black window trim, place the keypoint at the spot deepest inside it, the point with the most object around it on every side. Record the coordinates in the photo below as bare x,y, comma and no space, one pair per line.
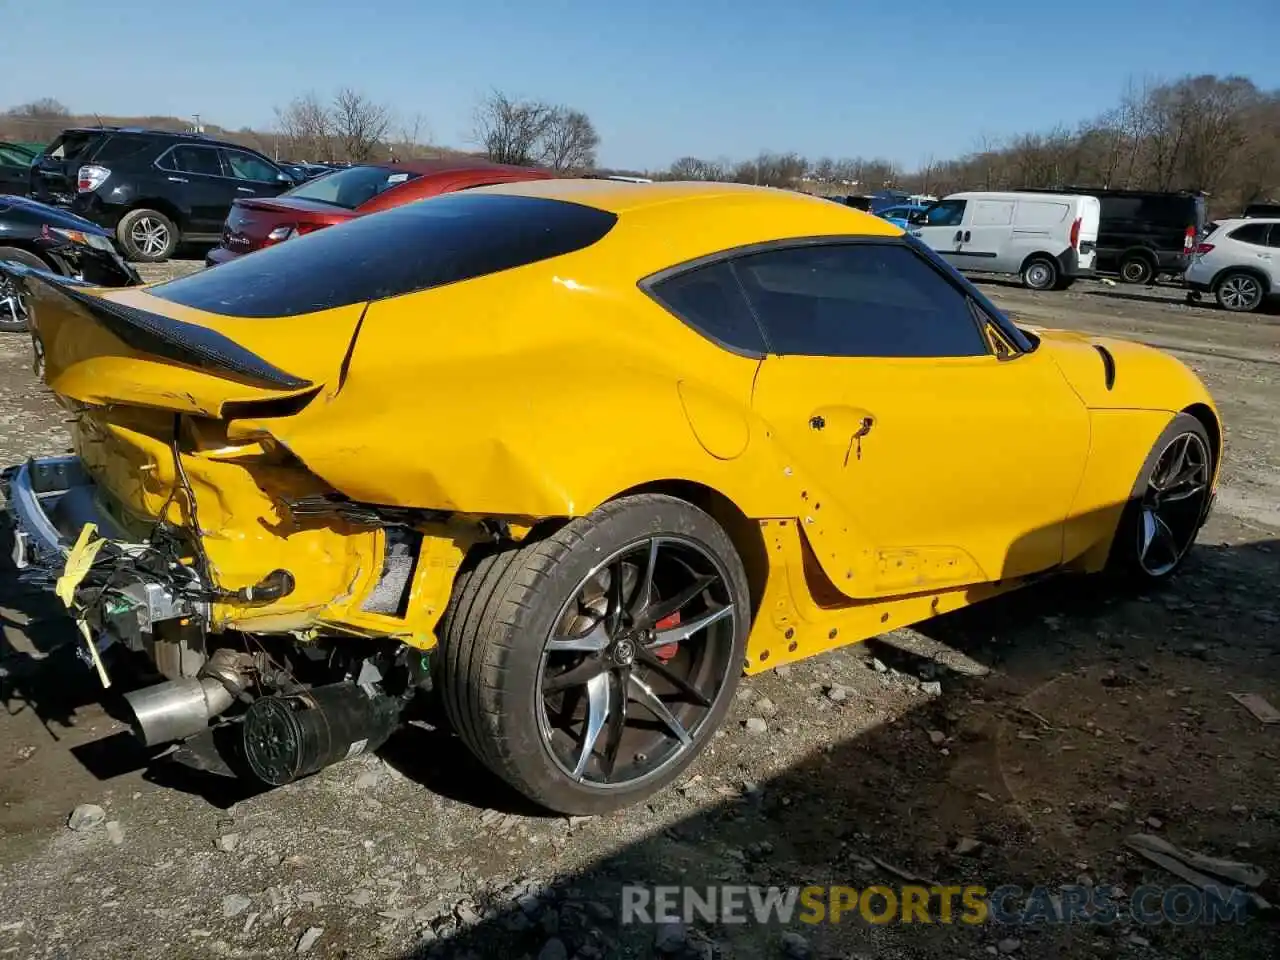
959,283
218,148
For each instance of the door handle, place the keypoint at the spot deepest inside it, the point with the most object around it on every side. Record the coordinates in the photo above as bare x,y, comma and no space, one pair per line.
178,180
966,236
959,236
244,190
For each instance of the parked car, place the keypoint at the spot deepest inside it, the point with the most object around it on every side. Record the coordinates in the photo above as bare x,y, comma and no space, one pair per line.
1145,233
39,237
349,192
154,188
1048,240
1261,210
302,172
901,214
15,168
1239,263
382,487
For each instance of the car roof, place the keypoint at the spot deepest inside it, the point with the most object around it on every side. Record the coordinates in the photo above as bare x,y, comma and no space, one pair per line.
620,197
1241,221
454,165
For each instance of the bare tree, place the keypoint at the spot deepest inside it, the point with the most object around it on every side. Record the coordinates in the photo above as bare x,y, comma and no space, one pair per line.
510,130
569,141
359,124
693,168
307,128
46,108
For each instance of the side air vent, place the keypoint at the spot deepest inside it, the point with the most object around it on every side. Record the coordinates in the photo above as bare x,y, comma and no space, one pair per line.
1108,365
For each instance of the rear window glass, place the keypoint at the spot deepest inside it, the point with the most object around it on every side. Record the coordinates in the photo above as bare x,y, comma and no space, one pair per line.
403,250
352,187
70,145
1180,212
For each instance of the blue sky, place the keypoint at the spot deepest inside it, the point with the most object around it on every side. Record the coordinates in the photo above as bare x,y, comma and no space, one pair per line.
660,79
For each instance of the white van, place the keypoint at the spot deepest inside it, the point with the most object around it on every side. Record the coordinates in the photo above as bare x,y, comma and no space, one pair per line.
1047,239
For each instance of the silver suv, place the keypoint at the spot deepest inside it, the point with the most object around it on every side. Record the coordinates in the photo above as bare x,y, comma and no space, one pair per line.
1238,262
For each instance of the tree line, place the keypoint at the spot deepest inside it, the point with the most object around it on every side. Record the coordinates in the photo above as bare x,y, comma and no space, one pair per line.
1216,134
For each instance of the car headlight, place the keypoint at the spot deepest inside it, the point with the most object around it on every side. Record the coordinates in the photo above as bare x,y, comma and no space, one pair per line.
94,240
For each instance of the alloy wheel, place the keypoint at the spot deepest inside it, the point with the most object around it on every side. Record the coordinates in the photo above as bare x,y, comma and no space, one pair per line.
636,660
150,236
1240,292
13,307
1173,504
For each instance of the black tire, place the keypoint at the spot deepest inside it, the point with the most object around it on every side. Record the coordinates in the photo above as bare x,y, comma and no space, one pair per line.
499,624
1064,283
1137,268
1239,291
147,236
1040,273
1126,558
15,310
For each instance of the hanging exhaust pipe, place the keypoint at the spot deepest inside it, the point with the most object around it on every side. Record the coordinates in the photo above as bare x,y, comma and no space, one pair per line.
178,709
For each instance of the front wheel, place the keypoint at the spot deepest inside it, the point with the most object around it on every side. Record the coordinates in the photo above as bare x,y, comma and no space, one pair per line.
15,308
1040,274
1239,292
1168,504
590,668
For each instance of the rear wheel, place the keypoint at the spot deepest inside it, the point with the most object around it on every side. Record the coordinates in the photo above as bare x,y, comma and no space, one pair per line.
15,308
1168,505
147,236
590,668
1136,268
1239,292
1040,274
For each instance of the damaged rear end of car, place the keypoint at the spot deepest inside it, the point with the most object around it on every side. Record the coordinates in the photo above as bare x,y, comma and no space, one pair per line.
179,528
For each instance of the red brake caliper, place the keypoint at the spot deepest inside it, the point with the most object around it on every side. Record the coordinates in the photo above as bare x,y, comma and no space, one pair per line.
667,651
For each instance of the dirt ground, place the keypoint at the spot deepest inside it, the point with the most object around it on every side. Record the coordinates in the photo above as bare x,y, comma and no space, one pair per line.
1019,742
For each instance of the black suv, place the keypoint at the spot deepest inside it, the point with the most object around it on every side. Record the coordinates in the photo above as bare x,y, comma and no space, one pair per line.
154,188
1144,233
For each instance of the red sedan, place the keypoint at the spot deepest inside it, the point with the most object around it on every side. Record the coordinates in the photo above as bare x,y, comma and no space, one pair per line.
254,222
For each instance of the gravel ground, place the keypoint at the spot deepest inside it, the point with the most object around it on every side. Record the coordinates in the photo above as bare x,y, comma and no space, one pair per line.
1017,742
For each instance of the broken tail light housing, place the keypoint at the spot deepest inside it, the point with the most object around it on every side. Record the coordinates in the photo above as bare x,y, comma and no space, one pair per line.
90,177
1203,248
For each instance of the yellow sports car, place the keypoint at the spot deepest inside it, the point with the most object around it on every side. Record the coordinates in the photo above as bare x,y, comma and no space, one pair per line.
571,456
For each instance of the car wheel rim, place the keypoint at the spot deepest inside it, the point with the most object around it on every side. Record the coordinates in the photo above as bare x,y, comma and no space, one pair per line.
1038,275
635,663
1240,292
150,236
1135,272
13,308
1173,504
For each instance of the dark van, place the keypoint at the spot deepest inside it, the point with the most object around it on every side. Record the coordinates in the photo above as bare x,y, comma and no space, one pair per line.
1144,233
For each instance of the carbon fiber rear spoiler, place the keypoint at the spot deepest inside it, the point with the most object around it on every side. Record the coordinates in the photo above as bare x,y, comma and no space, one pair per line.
162,336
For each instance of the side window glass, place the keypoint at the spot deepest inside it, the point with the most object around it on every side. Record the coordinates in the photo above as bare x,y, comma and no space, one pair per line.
858,300
1274,239
945,213
193,159
710,300
1255,233
245,166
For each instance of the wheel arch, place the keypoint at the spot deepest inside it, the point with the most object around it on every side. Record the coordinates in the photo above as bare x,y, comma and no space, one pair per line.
1209,420
743,532
26,246
159,205
1256,273
1138,251
1045,255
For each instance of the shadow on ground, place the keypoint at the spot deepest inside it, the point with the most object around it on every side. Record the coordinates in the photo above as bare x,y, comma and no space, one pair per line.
1102,716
